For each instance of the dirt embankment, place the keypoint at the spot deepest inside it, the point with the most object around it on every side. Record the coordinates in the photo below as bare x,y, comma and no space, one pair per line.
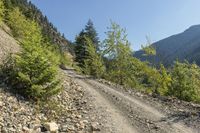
7,43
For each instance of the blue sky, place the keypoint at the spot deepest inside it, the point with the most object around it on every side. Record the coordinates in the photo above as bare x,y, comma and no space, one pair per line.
156,19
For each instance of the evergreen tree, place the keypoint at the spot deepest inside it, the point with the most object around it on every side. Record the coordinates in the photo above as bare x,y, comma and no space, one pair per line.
33,72
17,22
81,43
93,65
80,48
91,33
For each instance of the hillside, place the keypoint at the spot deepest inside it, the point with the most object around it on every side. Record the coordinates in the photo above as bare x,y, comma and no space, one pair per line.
7,43
43,89
48,29
183,46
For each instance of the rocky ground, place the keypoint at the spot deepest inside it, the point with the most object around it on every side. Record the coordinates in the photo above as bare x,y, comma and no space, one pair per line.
131,111
67,112
176,110
87,106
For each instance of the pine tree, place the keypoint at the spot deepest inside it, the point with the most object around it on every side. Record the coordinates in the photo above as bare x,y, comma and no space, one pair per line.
92,34
80,48
17,22
33,72
93,64
81,43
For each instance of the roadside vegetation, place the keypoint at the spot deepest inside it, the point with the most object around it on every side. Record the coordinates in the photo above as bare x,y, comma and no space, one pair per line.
33,72
116,63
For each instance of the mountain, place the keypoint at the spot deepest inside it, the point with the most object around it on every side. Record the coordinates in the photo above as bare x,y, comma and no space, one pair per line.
183,46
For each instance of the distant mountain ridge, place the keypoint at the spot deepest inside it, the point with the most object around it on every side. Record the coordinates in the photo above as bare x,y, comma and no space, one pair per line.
183,46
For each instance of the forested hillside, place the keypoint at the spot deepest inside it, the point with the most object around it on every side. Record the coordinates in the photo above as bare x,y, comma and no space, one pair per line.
48,29
33,70
183,46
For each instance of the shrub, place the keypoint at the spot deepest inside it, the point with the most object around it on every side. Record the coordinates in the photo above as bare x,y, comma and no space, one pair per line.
31,74
185,82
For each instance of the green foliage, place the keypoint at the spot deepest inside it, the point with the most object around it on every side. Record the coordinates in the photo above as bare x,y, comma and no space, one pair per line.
91,33
81,43
17,22
185,82
2,10
80,49
33,72
164,82
117,50
93,64
159,81
149,50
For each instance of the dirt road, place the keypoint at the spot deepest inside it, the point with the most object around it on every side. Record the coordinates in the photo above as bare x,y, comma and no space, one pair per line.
127,114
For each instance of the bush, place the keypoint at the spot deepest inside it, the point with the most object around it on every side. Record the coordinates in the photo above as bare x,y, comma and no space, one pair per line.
185,82
31,74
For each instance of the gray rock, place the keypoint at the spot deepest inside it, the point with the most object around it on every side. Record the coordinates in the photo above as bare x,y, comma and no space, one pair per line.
95,126
51,126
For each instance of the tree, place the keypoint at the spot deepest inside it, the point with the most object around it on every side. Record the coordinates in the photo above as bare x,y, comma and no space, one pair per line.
163,82
92,34
93,64
17,22
185,82
33,72
80,48
81,43
149,50
117,50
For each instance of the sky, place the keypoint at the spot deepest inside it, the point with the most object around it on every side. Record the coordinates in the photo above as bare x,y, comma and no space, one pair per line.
156,19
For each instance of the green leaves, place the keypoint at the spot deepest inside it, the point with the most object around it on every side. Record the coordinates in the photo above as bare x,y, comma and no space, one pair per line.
2,10
36,73
81,43
117,51
93,64
33,72
149,50
186,81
